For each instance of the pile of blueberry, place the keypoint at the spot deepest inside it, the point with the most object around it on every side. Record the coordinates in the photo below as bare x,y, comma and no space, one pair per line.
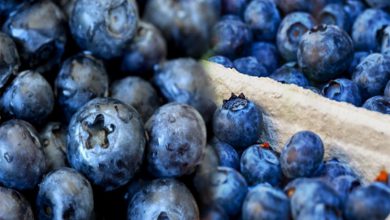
107,114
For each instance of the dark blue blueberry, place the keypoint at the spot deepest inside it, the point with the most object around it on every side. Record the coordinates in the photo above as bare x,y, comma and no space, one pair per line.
22,162
290,32
81,78
104,27
138,93
260,165
385,40
186,25
106,142
163,199
353,8
263,18
367,29
265,203
14,206
230,36
227,155
325,52
250,66
266,53
29,97
378,104
39,31
344,185
226,62
302,155
378,3
65,194
177,141
184,80
372,74
343,90
213,213
235,7
146,49
387,89
334,14
333,168
9,59
368,202
358,56
238,122
289,73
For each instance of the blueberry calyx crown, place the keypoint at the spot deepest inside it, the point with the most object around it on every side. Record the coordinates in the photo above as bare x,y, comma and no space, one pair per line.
235,103
319,28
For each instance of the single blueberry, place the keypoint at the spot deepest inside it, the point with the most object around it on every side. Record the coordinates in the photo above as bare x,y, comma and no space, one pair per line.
379,104
289,73
343,90
334,14
9,59
235,7
14,206
227,155
265,53
226,62
358,56
250,66
387,89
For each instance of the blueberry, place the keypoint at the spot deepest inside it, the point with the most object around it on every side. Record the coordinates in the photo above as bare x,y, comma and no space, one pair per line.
378,104
39,30
163,199
372,74
334,14
367,29
29,97
183,23
260,165
250,66
353,8
227,155
230,36
368,202
53,139
106,142
344,185
146,49
104,27
325,52
65,194
265,53
290,32
213,213
387,89
358,56
265,203
184,80
226,62
238,122
343,90
22,162
81,78
289,73
9,59
235,7
14,206
263,18
333,168
302,155
177,140
138,93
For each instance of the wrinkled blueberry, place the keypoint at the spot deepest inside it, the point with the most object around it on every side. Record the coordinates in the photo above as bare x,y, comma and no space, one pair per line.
334,14
266,53
358,56
227,155
343,90
14,206
53,139
9,59
235,7
289,73
250,66
226,62
378,104
106,142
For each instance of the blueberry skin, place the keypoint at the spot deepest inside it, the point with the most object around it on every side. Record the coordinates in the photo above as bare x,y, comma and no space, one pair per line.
358,56
333,168
65,194
9,59
29,97
288,6
367,28
104,27
81,78
213,213
387,89
353,8
230,36
368,202
289,73
290,32
184,80
106,142
325,52
264,202
163,199
234,7
265,53
53,139
40,33
14,206
263,18
146,49
343,90
302,155
238,122
378,3
259,165
372,74
22,162
379,104
344,185
138,93
250,66
334,14
227,155
177,141
226,62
